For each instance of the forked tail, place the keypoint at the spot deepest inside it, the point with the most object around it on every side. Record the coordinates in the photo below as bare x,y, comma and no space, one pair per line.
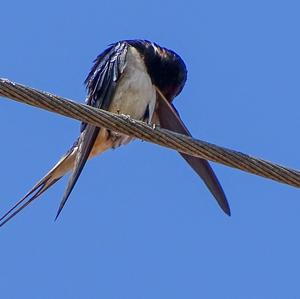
59,170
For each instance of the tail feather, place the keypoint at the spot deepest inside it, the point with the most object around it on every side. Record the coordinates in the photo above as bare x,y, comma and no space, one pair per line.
57,172
85,145
170,119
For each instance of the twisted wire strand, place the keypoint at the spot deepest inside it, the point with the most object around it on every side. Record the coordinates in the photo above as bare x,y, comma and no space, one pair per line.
124,124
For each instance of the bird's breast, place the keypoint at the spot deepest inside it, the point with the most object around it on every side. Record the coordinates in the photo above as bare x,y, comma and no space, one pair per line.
135,91
135,96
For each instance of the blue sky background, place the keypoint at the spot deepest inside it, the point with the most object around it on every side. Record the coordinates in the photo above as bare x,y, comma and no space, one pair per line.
140,223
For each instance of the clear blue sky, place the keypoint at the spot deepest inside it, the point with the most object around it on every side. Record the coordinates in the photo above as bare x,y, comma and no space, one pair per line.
140,223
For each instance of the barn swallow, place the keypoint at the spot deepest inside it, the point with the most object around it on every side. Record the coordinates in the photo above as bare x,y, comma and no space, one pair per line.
132,77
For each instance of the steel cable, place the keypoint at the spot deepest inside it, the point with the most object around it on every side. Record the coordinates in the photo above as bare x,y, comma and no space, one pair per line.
124,124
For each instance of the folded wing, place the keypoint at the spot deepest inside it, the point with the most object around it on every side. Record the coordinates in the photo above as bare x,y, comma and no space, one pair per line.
170,119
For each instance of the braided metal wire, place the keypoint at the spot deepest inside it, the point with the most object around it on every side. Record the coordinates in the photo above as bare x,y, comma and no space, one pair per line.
124,124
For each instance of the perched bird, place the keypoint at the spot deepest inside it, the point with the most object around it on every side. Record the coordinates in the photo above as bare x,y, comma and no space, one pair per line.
131,77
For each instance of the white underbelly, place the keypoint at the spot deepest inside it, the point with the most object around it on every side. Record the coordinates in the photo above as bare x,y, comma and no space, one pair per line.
135,94
135,90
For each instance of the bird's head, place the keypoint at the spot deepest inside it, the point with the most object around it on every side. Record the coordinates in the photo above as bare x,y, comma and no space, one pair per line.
166,68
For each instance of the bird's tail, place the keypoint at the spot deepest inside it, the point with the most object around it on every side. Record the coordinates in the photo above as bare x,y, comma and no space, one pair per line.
59,170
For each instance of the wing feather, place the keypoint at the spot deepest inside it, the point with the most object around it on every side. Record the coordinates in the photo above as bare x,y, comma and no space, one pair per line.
169,119
101,84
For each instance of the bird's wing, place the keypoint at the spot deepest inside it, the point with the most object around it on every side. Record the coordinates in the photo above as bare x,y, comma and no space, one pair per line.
101,84
169,119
